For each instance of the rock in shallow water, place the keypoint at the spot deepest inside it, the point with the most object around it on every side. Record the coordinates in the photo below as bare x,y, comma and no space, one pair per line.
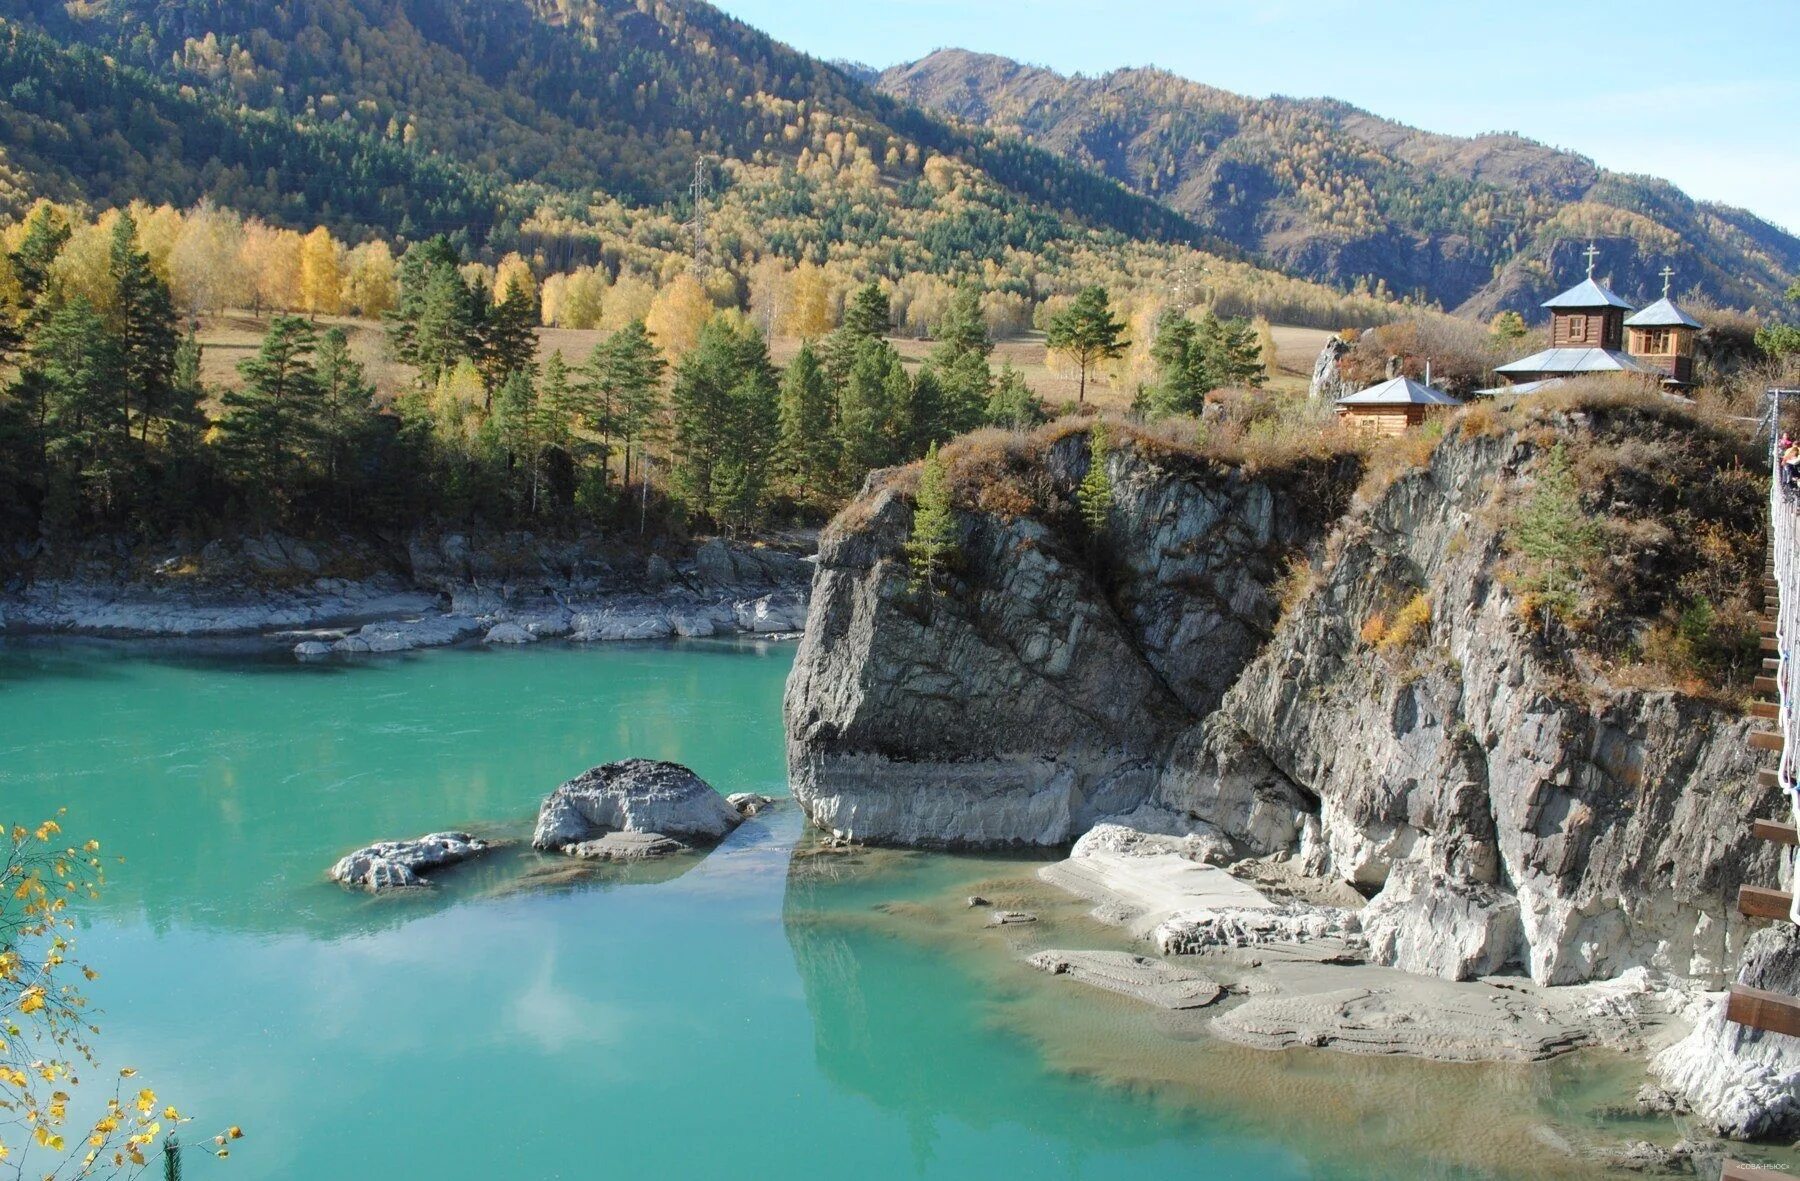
389,865
636,796
1137,976
1449,1023
749,803
509,633
627,846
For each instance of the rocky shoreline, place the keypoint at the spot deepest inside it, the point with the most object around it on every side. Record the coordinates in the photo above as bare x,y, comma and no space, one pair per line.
448,590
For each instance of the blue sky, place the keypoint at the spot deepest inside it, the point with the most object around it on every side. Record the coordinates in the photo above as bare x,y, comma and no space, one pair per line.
1706,94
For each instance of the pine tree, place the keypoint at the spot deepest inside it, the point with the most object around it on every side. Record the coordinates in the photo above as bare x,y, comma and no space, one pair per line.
722,412
933,538
1230,352
270,423
1088,333
870,312
346,411
445,326
1012,405
631,372
46,232
1183,378
516,424
963,328
1556,539
959,365
506,336
69,389
143,324
865,418
1095,495
809,448
431,323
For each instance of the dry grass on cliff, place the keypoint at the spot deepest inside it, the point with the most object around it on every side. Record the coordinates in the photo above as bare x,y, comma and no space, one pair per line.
1674,492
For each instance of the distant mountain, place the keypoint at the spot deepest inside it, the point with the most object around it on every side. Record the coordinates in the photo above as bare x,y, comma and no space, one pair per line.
1334,193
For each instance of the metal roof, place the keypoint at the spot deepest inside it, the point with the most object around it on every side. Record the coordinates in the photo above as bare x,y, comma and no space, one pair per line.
1589,293
1524,387
1577,361
1662,314
1399,391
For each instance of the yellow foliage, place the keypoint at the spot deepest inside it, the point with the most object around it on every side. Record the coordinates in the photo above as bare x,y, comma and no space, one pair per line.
370,286
677,314
321,273
514,273
808,311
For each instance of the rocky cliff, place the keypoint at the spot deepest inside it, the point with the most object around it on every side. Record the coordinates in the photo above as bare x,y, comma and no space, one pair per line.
1489,781
1045,687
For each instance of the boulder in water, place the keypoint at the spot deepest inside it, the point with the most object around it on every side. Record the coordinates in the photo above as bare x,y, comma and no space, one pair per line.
389,865
637,796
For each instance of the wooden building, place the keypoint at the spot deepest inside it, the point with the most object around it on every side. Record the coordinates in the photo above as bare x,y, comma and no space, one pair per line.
1662,336
1587,335
1393,406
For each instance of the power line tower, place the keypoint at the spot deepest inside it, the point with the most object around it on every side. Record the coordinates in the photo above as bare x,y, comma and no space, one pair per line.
700,192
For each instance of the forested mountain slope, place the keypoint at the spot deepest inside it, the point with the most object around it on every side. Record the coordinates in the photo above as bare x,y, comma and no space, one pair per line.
1337,194
571,97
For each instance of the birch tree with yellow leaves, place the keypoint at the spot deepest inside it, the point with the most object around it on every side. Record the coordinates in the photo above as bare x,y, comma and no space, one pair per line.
47,1030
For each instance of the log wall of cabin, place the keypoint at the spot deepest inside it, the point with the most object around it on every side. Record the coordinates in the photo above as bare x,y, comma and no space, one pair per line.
1603,328
1384,421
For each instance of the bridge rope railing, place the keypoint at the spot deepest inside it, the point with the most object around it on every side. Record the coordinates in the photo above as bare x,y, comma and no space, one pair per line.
1784,552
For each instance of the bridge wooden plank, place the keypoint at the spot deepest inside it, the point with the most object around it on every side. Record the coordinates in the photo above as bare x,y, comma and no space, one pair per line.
1768,779
1767,685
1757,902
1765,709
1774,830
1767,740
1768,1011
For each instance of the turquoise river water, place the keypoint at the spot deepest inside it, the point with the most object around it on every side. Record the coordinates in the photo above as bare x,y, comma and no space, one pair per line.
764,1011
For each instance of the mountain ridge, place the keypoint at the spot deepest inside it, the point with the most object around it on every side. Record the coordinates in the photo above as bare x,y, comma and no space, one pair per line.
1338,194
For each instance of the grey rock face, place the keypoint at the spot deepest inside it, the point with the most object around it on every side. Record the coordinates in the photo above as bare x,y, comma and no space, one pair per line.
1611,822
389,865
1496,816
1032,700
1438,926
1741,1082
1326,383
635,796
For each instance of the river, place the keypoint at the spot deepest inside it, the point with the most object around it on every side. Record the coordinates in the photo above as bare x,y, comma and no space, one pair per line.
762,1011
